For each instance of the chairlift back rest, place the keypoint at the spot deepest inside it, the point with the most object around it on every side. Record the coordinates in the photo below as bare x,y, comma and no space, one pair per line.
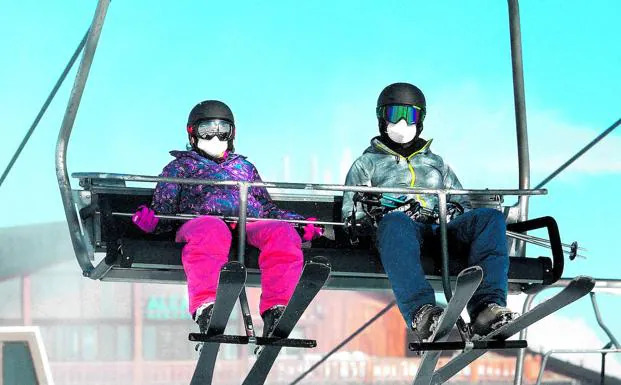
353,267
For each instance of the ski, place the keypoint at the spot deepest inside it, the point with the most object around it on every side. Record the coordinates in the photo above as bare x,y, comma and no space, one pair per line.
232,281
577,288
314,276
466,284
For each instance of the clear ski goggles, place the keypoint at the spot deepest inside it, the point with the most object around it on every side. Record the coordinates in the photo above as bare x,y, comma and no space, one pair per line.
393,113
208,129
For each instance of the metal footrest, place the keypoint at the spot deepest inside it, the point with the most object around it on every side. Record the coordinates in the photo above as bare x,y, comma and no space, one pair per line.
244,340
470,345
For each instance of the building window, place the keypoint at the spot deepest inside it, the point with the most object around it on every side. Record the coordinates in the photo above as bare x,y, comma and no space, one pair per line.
11,306
97,342
168,341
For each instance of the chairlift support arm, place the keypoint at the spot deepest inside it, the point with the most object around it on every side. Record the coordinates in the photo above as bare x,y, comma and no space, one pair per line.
79,245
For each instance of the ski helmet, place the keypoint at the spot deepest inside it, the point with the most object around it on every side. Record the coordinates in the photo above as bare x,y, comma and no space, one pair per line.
402,94
210,109
205,110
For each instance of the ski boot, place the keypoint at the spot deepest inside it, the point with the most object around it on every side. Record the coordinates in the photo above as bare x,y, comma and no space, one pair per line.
425,321
202,317
270,319
490,318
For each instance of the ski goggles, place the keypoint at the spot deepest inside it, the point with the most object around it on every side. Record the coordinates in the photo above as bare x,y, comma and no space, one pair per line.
208,129
393,113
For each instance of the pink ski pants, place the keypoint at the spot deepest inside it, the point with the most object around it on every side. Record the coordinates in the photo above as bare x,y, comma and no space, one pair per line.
208,240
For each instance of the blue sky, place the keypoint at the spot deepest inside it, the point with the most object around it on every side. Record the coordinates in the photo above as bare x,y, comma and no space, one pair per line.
302,79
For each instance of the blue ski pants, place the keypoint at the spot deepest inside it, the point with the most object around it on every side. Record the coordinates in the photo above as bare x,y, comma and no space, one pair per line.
479,235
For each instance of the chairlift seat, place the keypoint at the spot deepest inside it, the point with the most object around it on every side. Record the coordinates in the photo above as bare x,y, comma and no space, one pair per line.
136,256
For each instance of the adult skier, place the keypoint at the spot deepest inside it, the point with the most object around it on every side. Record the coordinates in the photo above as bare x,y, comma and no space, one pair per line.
399,157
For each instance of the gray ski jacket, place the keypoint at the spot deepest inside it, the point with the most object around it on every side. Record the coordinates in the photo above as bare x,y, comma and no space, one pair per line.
379,166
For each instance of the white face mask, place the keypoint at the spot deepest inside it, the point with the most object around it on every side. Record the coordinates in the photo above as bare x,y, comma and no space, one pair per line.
213,147
401,133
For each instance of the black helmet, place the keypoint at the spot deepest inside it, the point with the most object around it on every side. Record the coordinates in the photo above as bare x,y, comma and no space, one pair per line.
402,93
210,109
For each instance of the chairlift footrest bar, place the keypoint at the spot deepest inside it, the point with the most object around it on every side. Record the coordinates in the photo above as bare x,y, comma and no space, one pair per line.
245,340
288,342
461,345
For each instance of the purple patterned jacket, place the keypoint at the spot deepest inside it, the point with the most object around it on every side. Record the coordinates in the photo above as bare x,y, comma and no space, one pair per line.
172,198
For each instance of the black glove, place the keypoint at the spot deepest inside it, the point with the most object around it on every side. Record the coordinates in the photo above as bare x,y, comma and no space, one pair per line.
371,204
453,210
360,227
410,207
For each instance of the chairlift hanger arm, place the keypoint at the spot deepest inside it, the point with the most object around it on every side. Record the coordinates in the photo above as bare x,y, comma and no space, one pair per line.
77,238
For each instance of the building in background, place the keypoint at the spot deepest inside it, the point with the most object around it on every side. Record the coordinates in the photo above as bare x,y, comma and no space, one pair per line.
129,333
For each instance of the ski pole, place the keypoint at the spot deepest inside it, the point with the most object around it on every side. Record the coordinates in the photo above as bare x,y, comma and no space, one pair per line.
186,217
545,243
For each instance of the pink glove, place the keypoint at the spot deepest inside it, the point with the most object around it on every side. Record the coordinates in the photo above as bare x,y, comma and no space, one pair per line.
312,231
145,219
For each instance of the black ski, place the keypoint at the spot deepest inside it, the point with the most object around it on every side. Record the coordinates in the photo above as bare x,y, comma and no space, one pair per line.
577,288
466,284
232,281
314,276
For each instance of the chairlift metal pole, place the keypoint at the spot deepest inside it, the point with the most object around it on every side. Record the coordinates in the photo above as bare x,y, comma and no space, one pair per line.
46,104
609,283
522,135
303,186
241,255
62,175
600,321
520,109
603,352
446,280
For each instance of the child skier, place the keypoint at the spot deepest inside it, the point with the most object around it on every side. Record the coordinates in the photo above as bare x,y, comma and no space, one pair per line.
211,131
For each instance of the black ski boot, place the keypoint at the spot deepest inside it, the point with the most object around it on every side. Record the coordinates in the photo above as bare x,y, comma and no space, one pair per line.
425,321
270,319
490,318
202,317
